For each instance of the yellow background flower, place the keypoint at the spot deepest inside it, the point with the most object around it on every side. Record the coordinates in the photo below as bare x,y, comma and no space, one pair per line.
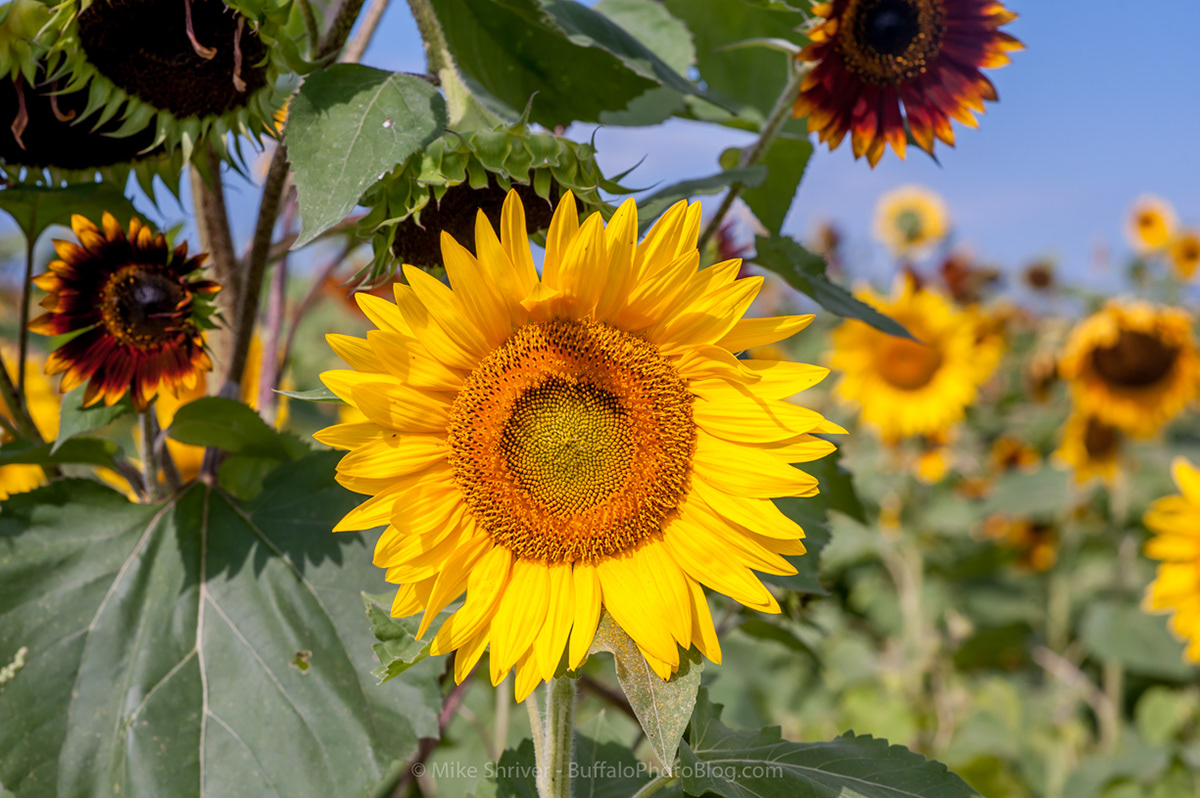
911,221
1175,522
1151,224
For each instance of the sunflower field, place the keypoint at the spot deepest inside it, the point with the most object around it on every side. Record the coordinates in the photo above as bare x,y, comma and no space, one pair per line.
366,430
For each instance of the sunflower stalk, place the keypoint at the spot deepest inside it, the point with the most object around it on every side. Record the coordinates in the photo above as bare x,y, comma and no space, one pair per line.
23,334
148,435
554,737
216,238
354,49
753,155
461,106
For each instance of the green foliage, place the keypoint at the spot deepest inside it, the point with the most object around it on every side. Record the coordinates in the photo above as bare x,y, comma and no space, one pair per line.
34,208
1120,632
653,206
347,127
75,419
785,161
398,648
164,641
232,427
84,451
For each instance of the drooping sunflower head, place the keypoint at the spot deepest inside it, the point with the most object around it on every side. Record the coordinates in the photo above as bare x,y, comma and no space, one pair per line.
1151,224
192,70
1176,587
911,221
1091,448
137,307
1185,254
581,439
1135,366
873,56
908,387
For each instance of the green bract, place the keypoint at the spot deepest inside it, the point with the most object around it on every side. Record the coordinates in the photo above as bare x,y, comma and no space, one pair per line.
481,163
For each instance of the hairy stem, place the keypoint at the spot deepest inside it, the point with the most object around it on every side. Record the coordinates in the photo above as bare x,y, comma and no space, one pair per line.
212,222
148,429
658,783
556,731
459,103
310,24
753,155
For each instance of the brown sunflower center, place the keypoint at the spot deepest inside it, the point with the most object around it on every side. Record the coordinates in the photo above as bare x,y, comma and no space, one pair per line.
572,441
189,57
1100,440
888,42
1136,360
908,365
143,308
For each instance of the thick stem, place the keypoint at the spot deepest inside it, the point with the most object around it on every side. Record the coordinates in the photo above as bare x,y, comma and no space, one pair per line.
500,720
23,334
658,783
353,52
310,24
1110,720
753,155
148,429
271,372
20,416
212,222
459,102
557,732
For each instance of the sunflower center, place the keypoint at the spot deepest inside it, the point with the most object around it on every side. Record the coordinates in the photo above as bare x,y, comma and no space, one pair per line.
143,308
910,222
888,42
189,57
572,441
1100,440
908,365
1136,360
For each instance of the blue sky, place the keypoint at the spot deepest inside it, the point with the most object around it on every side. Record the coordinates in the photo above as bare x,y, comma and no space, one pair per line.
1103,105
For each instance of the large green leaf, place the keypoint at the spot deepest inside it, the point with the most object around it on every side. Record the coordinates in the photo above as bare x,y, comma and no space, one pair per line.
1114,631
34,208
810,514
577,61
786,160
761,764
203,647
651,24
348,125
229,426
805,272
82,451
662,707
75,419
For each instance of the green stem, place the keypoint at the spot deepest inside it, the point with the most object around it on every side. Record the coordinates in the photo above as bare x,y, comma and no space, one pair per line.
459,102
658,783
500,720
148,427
23,333
753,155
554,738
310,25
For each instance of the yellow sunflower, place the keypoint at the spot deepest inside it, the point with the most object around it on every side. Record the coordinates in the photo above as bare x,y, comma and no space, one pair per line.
1175,522
43,403
1090,448
553,445
1134,365
1185,253
911,221
903,387
1034,543
1151,224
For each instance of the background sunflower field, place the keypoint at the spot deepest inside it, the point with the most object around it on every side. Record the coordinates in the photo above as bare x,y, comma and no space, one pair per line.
205,206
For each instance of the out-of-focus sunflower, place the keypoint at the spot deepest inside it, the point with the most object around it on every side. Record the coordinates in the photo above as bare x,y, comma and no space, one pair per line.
872,56
1185,253
907,388
911,221
587,439
1133,365
1010,453
1175,522
1034,543
189,71
1039,275
138,310
934,460
43,404
1090,448
1151,224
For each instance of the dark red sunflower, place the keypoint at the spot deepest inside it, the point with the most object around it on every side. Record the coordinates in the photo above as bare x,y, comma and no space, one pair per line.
136,307
874,55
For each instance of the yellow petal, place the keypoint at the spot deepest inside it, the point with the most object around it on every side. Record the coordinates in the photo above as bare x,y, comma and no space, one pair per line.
564,226
761,516
520,615
394,455
485,584
426,329
382,313
388,402
753,333
552,640
704,634
636,604
475,292
415,493
748,471
514,237
447,311
350,436
409,361
587,612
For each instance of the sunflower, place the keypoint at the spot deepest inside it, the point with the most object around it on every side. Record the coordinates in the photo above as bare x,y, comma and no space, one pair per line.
911,221
1175,522
906,387
1185,253
1035,543
187,71
134,308
1090,448
1010,453
43,404
1134,366
581,441
872,56
1151,224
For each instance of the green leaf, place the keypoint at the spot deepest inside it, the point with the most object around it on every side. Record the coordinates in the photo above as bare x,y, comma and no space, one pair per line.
811,516
34,209
837,487
348,125
662,707
786,160
805,272
398,648
651,207
228,425
1120,632
75,419
578,62
166,644
316,395
650,23
761,764
81,451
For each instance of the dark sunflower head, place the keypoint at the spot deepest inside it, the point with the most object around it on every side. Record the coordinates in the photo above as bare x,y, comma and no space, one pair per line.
872,56
185,70
138,312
